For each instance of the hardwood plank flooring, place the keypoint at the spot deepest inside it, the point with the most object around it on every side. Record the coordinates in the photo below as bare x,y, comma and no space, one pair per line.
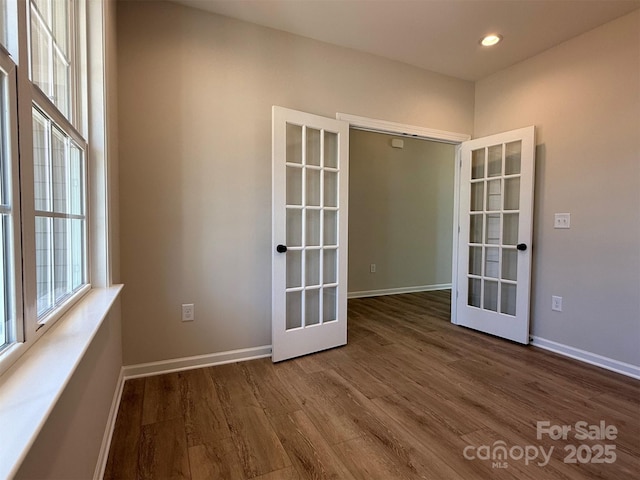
405,399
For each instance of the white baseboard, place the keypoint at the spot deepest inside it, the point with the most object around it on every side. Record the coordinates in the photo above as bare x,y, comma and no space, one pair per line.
396,291
627,369
188,363
103,456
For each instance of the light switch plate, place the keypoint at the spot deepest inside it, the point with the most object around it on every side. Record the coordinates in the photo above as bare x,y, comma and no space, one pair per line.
562,220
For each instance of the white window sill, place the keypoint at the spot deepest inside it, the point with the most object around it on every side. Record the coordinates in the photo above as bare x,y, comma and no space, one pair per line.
30,388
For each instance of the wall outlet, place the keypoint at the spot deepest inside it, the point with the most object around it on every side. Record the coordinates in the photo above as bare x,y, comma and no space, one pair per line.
188,312
372,268
562,220
556,304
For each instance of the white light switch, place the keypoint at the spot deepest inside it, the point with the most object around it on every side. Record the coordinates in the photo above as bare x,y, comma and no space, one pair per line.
562,220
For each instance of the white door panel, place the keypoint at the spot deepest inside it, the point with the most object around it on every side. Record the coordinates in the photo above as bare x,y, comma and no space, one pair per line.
494,240
310,196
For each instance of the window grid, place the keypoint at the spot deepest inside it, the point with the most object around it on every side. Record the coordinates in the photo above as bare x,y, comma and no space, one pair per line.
59,195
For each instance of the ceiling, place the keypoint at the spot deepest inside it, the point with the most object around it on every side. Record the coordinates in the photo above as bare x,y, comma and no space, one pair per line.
438,35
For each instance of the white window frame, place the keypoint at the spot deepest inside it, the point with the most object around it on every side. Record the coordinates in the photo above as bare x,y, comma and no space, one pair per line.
29,327
15,328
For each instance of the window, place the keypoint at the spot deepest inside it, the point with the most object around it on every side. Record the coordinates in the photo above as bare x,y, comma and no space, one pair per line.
59,172
60,219
44,213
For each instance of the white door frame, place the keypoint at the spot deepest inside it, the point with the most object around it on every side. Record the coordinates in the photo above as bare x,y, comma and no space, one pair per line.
454,138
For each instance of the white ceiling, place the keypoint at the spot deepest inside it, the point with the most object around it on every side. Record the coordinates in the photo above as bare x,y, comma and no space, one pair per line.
438,35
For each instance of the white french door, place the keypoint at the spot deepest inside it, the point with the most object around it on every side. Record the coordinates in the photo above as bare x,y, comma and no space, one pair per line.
494,240
309,266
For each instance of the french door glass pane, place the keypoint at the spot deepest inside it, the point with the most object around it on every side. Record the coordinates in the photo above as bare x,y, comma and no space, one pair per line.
494,195
475,260
491,295
510,229
508,299
493,228
509,264
294,269
313,187
512,193
294,227
330,233
475,292
312,307
313,228
476,228
491,262
294,186
330,150
294,143
330,268
512,155
477,197
294,309
312,268
477,163
329,304
313,147
495,161
330,189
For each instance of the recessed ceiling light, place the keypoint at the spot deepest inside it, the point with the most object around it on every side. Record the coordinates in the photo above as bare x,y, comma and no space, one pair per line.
490,40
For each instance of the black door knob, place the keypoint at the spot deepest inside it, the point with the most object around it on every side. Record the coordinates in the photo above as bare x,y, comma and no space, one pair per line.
521,246
281,248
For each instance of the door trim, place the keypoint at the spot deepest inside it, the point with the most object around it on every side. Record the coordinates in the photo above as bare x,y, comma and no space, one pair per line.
383,126
400,129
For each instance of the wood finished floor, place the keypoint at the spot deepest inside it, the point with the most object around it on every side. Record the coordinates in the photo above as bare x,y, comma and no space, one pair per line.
401,401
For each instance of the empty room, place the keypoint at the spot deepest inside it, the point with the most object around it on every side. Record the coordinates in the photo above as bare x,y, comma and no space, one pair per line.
291,239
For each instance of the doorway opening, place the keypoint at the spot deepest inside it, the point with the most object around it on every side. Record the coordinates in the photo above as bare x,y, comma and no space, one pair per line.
401,237
401,206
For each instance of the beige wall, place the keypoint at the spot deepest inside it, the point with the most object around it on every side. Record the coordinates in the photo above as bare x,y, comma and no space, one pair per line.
584,98
400,212
195,95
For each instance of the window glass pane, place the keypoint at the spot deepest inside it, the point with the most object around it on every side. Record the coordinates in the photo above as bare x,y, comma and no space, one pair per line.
62,267
78,247
60,174
60,24
50,52
3,30
41,53
76,180
44,256
60,93
5,280
41,170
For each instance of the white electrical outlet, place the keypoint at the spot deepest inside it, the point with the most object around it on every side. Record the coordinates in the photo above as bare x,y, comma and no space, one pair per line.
562,220
556,304
372,268
188,312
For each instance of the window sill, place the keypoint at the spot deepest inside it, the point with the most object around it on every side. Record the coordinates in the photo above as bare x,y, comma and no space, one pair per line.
30,388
